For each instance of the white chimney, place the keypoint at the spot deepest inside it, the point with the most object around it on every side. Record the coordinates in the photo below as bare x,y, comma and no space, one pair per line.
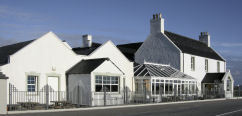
205,38
157,24
87,40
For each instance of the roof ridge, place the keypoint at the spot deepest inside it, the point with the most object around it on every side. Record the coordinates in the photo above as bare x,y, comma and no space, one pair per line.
129,43
185,37
97,59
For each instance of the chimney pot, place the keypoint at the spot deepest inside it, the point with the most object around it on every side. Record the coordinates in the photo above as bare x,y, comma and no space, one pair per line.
157,24
160,15
205,38
87,40
156,16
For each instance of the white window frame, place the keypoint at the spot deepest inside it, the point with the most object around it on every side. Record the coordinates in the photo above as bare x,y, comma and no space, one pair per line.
206,65
218,66
193,63
32,84
110,83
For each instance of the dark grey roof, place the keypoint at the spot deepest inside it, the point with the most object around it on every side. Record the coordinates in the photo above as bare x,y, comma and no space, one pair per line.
86,50
213,77
86,66
185,44
6,51
2,76
192,46
146,70
129,49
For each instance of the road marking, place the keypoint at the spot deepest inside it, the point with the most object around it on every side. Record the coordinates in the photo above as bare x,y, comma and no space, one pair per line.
227,113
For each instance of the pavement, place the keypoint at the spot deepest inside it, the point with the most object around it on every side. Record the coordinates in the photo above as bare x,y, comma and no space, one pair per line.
232,107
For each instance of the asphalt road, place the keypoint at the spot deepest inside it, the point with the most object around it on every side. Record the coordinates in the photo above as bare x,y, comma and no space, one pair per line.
211,108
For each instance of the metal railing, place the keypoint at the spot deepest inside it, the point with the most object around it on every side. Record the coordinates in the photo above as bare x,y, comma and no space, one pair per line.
42,99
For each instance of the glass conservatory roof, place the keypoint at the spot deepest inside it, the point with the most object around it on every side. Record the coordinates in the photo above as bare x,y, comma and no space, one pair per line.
158,70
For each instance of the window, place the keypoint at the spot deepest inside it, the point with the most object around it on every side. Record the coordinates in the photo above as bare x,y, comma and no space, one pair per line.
218,66
193,63
228,84
206,65
31,83
109,83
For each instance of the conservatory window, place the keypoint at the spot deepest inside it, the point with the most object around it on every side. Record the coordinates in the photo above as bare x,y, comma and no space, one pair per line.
166,88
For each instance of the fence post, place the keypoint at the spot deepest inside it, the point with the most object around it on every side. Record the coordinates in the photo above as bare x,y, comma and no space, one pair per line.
104,97
124,94
161,90
78,95
239,90
47,96
3,95
10,95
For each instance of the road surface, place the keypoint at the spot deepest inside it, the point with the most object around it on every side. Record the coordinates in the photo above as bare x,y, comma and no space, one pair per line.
211,108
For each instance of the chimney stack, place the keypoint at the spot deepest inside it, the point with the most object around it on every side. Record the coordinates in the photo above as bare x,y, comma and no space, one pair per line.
205,38
87,40
157,24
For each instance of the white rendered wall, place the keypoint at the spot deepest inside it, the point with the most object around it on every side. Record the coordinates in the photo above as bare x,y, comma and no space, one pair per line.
157,48
109,50
107,68
3,96
84,83
46,56
200,72
228,94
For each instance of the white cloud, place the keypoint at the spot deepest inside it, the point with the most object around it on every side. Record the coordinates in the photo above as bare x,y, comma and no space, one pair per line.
20,15
12,13
230,44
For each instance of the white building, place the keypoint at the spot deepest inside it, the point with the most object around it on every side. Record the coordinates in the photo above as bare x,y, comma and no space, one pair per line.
193,57
33,64
82,75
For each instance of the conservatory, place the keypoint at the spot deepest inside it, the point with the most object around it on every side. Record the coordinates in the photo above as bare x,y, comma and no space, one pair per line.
155,82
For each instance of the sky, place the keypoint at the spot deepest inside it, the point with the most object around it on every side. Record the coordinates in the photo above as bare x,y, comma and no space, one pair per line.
125,21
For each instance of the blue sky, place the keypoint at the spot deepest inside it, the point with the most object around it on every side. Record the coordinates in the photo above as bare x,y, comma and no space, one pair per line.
123,21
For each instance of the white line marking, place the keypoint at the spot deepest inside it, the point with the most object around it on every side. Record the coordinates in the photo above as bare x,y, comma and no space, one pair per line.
227,113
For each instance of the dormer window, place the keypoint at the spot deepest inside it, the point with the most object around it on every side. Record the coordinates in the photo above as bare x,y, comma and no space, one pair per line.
193,63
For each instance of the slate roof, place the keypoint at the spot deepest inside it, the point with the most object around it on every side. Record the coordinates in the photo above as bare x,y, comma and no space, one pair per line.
212,77
6,51
192,46
147,70
86,50
86,66
185,44
129,49
2,76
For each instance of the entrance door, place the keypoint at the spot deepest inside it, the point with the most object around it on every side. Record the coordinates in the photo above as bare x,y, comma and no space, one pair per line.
53,84
228,93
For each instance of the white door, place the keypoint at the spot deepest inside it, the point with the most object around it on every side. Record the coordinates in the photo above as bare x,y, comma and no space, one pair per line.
53,83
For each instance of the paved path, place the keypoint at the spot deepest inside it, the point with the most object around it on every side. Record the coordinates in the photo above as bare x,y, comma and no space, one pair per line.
211,108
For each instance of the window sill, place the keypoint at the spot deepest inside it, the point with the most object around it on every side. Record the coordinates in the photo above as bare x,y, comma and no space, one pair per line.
102,93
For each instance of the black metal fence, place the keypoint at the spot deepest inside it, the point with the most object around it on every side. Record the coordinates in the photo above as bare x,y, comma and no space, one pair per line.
237,91
47,98
43,99
214,93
